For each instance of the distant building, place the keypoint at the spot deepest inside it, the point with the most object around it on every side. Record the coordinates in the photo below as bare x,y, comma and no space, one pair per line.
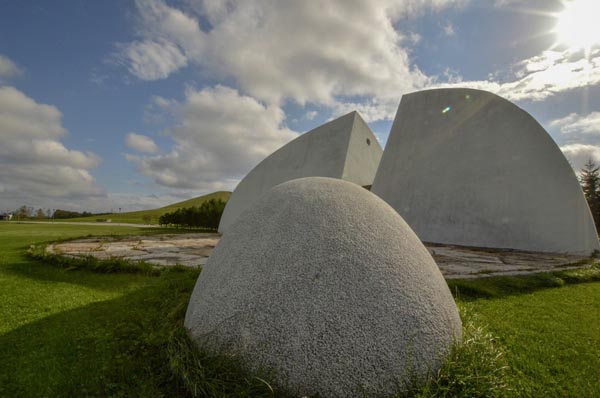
6,217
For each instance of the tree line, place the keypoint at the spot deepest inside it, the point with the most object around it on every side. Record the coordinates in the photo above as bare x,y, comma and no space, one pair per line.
206,216
29,213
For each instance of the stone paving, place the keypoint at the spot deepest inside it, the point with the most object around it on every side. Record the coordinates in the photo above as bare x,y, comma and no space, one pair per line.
194,249
163,250
465,262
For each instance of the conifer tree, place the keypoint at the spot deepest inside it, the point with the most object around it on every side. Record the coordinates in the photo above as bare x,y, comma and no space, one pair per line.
590,183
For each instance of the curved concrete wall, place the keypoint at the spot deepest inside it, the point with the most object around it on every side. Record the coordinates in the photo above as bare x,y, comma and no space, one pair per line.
467,167
344,148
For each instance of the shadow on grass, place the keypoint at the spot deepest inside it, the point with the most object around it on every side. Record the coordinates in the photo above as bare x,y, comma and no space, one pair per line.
502,286
114,348
40,271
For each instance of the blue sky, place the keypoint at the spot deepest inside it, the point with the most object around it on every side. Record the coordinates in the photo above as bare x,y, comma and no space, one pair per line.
137,104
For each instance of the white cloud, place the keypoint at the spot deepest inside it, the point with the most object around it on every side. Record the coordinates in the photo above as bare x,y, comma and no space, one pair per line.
310,115
543,76
141,143
8,68
34,164
579,154
276,51
289,49
449,29
218,137
153,60
575,123
414,38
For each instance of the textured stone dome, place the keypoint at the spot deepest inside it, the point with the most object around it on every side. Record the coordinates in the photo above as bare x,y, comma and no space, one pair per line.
323,282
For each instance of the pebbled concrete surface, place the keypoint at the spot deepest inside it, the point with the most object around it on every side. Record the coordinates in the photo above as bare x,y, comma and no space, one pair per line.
322,281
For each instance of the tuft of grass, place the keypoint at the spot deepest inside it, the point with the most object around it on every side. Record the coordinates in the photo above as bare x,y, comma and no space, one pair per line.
502,286
90,263
205,374
213,375
477,367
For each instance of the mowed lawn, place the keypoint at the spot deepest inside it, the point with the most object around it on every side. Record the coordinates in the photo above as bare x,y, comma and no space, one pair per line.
551,338
75,333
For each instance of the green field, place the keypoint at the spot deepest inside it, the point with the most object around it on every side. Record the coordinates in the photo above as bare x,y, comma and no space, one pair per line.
75,333
151,216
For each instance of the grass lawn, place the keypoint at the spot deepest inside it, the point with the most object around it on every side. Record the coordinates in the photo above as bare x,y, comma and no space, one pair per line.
551,339
75,333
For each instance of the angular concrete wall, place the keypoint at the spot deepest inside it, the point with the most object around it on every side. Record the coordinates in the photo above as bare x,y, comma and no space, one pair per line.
467,167
344,148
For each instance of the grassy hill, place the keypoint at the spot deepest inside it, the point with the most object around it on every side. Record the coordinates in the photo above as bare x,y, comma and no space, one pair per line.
151,216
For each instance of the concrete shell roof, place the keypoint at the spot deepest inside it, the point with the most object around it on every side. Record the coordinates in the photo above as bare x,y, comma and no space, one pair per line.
468,167
343,148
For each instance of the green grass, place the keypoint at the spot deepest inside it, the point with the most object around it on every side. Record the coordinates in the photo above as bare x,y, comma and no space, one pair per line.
151,216
477,367
76,333
551,338
72,332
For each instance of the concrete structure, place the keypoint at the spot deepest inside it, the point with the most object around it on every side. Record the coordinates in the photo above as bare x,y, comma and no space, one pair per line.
344,148
323,282
467,167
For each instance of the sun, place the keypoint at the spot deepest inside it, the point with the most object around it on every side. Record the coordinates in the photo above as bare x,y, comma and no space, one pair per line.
578,24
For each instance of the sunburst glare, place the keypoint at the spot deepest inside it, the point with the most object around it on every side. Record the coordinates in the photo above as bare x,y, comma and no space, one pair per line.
577,25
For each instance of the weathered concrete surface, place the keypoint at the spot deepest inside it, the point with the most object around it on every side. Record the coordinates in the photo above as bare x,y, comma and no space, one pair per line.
325,283
467,167
164,250
194,250
344,148
458,262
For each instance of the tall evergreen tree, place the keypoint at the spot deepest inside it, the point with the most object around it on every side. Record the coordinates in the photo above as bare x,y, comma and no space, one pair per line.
590,182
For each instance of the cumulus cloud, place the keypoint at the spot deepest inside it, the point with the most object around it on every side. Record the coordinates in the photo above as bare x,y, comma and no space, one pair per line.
579,154
8,69
575,123
33,162
308,52
141,143
219,136
297,50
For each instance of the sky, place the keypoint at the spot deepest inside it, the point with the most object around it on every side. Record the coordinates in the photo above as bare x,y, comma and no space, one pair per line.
136,104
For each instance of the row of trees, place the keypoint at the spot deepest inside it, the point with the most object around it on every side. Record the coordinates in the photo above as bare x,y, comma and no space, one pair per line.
28,213
206,216
58,213
25,212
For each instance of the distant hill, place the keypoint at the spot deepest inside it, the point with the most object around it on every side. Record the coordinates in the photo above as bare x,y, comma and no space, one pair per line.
151,216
